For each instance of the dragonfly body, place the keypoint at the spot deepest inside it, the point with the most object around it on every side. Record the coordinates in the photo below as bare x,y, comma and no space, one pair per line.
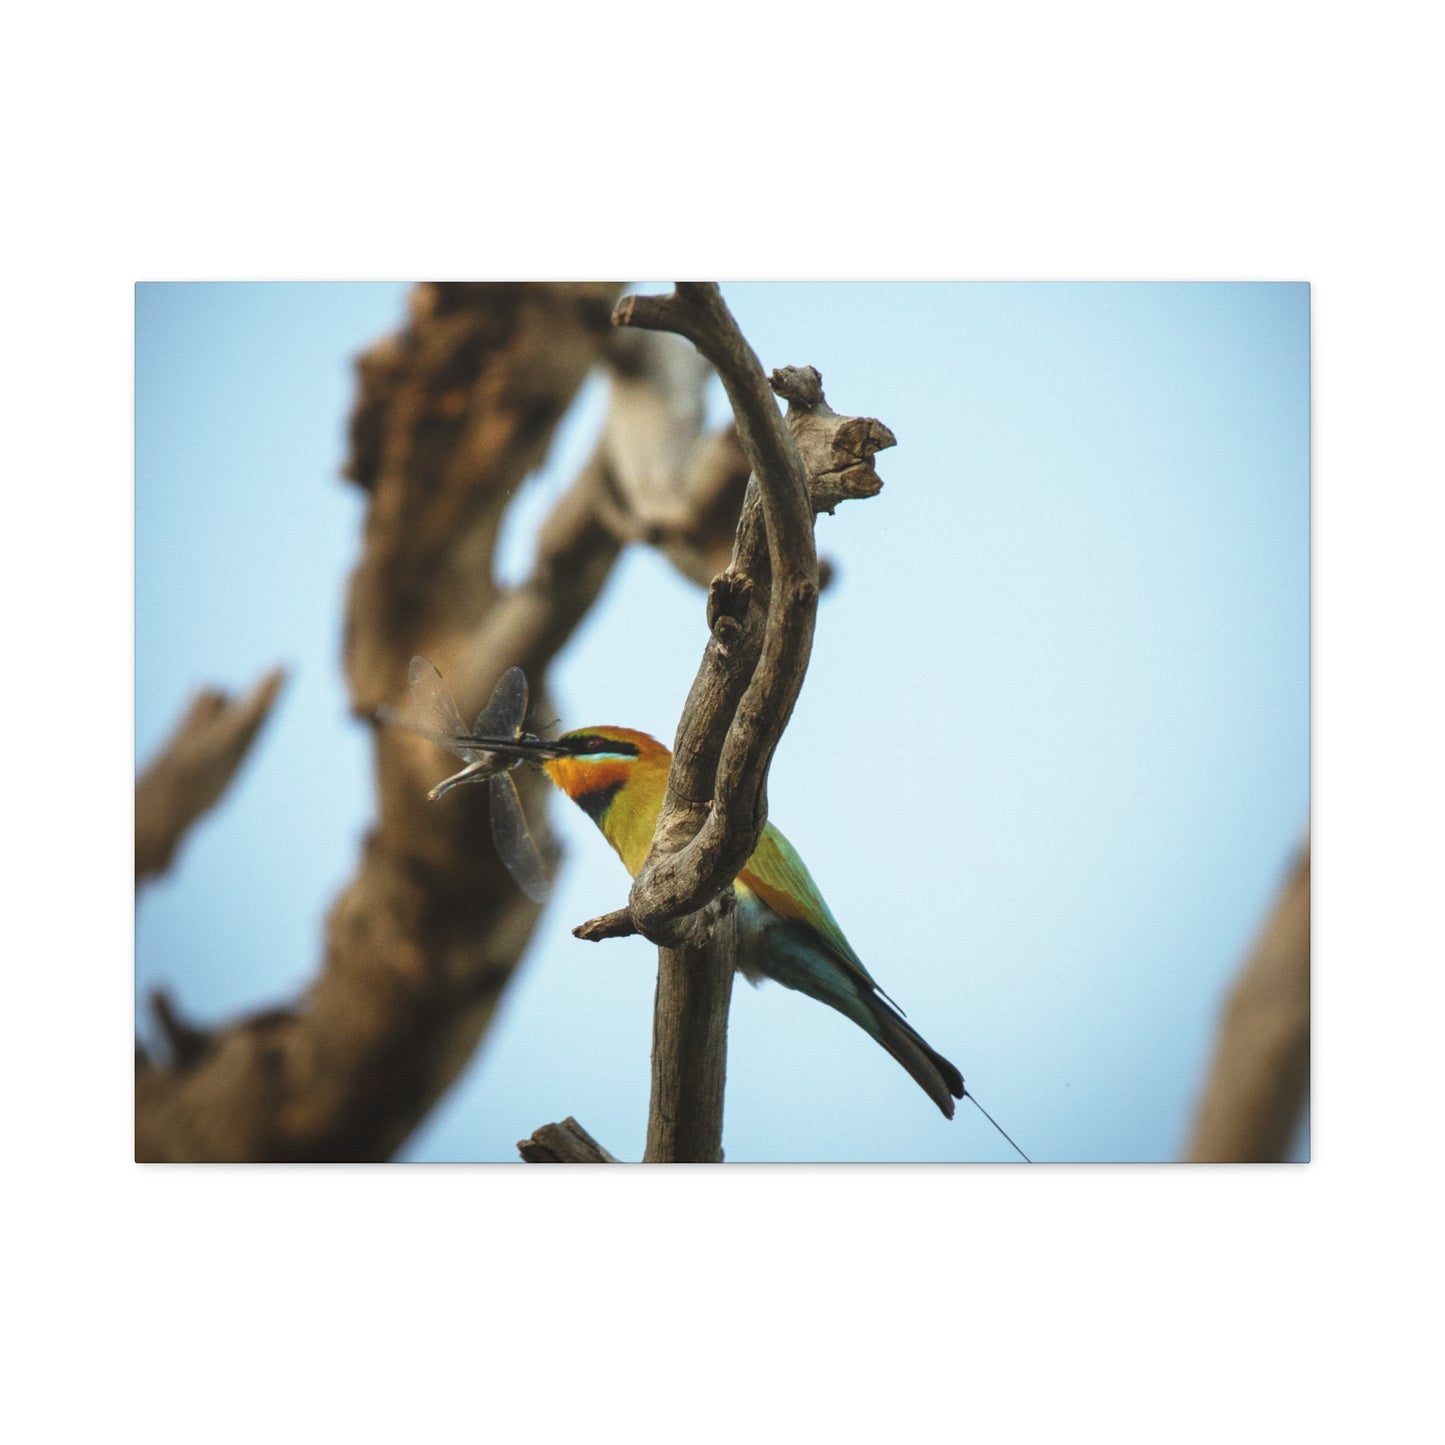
436,718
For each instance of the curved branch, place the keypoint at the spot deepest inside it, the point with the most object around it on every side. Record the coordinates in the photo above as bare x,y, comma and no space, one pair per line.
716,803
761,613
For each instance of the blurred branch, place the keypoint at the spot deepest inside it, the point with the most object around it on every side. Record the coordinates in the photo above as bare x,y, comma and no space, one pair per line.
452,414
194,768
654,478
676,488
184,1040
1261,1068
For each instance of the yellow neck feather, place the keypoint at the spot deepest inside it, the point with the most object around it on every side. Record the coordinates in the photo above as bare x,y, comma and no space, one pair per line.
622,795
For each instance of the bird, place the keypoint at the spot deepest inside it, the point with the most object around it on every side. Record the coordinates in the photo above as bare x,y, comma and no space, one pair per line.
618,777
785,929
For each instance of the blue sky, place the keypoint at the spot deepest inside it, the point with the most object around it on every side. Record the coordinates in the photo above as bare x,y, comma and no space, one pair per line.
1049,765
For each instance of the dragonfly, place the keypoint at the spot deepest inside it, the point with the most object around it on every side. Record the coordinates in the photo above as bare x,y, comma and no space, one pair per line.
434,716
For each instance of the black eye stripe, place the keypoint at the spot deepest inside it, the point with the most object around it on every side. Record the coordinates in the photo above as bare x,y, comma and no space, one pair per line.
594,743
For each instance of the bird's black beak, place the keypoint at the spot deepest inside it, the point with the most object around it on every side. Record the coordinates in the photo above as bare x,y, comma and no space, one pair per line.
528,748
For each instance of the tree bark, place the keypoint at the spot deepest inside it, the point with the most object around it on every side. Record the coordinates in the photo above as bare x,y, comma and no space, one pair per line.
689,1051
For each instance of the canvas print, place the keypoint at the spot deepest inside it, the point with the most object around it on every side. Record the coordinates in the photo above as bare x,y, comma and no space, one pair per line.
849,722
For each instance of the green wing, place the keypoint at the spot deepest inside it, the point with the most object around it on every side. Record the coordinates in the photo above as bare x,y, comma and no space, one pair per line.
780,878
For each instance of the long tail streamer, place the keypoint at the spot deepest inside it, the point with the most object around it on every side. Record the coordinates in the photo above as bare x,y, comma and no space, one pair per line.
999,1127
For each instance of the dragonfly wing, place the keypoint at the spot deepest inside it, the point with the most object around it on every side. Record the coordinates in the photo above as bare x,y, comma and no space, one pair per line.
434,713
506,708
515,845
395,719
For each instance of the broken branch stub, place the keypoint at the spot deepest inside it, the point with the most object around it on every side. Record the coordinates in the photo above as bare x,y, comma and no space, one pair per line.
564,1143
195,767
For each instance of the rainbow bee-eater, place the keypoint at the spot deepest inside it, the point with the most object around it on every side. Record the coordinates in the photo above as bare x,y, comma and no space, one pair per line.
785,929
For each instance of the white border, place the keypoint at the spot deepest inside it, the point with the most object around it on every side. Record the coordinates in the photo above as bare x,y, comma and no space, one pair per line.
1261,142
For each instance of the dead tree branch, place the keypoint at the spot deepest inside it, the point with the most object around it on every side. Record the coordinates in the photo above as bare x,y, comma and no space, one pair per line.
453,413
1261,1067
761,612
194,768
